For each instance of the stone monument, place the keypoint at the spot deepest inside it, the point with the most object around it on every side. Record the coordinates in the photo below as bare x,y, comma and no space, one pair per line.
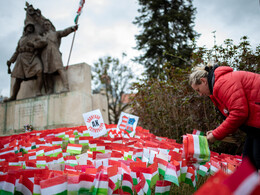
37,56
66,94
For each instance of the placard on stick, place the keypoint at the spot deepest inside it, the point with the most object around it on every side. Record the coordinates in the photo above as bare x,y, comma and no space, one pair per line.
95,123
127,123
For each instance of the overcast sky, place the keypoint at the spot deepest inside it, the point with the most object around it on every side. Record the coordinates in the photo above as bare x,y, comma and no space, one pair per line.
105,27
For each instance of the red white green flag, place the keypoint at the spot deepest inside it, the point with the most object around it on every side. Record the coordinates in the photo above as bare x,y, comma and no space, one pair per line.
183,170
100,184
203,169
7,184
162,187
84,140
56,141
111,187
74,148
73,184
146,187
81,4
191,177
71,160
127,183
55,185
139,188
214,166
244,180
171,174
25,186
114,176
162,164
85,183
155,174
37,179
196,149
197,132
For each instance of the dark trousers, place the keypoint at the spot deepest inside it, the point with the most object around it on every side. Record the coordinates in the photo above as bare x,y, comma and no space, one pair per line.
252,145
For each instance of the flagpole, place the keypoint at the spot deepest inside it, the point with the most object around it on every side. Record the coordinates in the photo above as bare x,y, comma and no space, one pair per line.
71,48
81,3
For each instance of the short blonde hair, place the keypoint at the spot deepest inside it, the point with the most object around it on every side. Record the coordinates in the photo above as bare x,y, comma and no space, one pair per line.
198,73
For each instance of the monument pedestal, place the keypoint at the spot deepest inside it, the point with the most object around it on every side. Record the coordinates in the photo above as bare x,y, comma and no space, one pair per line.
55,110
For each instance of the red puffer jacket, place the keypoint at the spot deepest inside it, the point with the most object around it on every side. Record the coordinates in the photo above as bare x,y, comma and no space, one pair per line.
237,96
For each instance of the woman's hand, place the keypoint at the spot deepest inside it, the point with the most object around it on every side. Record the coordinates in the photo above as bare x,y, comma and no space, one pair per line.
210,137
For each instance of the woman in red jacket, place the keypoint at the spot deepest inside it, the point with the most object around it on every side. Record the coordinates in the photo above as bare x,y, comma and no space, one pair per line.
237,95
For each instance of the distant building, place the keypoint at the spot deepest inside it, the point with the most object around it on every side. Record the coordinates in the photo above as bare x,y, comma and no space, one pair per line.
126,99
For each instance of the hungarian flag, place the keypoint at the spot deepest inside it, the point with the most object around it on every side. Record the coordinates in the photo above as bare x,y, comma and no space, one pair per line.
31,164
84,140
38,177
59,158
139,188
14,162
72,138
71,160
214,166
111,187
146,172
127,183
100,148
74,148
85,183
48,151
73,184
203,169
39,151
145,188
196,149
41,161
183,170
81,4
55,185
25,186
155,174
197,132
26,146
191,177
162,187
138,153
56,141
162,164
52,150
244,180
171,174
100,184
113,175
175,156
7,184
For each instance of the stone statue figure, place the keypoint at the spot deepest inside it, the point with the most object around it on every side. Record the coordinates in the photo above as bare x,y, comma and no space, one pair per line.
34,16
51,56
28,64
37,55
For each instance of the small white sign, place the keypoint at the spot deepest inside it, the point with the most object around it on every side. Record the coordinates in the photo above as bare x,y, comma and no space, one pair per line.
95,123
127,124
